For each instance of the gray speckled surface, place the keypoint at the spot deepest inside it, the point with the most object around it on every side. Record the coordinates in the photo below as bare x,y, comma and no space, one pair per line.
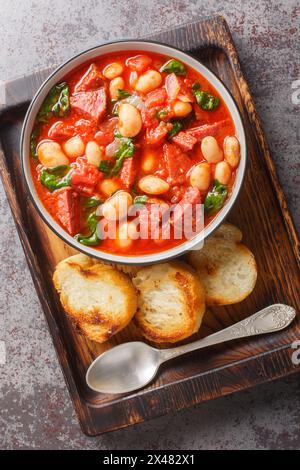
35,408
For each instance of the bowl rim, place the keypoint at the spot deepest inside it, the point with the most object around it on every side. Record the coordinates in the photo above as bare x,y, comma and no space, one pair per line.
156,257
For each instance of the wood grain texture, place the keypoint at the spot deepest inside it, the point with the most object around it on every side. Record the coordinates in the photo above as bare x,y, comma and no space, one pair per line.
260,212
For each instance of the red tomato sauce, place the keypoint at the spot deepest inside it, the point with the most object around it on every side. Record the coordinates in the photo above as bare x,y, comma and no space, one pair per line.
92,116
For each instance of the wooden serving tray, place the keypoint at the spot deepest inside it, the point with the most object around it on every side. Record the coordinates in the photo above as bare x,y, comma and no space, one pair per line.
260,212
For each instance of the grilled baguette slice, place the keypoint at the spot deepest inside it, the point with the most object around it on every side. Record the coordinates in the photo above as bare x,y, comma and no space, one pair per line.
171,302
130,270
226,267
100,299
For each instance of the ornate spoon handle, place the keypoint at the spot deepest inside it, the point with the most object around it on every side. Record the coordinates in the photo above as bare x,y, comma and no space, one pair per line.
273,318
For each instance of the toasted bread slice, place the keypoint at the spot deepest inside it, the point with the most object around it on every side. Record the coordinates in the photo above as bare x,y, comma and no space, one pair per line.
129,269
95,332
226,267
228,232
171,302
100,299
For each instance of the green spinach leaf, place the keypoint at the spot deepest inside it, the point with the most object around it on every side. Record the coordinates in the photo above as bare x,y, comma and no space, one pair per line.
33,141
90,202
177,126
93,238
204,99
162,113
105,166
174,66
57,103
57,177
215,198
125,150
122,94
118,166
142,199
117,133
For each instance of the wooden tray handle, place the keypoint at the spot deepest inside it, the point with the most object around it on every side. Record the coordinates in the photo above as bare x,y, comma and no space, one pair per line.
20,91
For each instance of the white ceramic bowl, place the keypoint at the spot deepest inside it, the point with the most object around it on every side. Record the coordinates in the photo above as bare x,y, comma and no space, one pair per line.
90,55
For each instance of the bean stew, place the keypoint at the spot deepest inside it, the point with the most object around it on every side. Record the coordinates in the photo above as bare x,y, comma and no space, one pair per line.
132,129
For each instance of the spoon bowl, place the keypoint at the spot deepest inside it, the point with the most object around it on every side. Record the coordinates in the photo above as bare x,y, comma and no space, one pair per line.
124,368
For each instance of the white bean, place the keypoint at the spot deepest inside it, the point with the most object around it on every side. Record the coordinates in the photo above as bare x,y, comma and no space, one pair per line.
94,153
223,172
153,185
130,121
127,233
50,154
108,186
74,147
163,206
148,81
200,176
182,109
113,70
116,207
231,148
211,150
148,161
115,85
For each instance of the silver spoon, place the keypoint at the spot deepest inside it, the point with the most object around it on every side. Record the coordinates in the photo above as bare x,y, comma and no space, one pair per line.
133,365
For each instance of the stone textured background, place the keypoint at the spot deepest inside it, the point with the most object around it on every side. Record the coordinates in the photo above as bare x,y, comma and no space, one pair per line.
35,408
